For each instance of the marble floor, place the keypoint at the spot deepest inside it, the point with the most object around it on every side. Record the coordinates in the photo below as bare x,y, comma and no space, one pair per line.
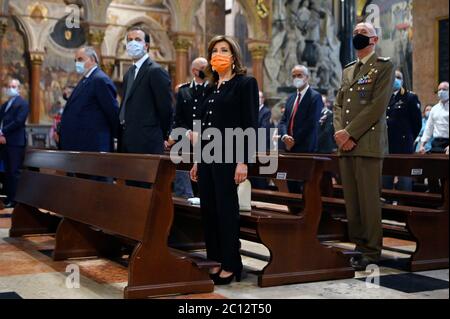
27,271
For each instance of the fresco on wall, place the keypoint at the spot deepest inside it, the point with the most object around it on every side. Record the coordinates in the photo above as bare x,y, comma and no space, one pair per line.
396,34
14,62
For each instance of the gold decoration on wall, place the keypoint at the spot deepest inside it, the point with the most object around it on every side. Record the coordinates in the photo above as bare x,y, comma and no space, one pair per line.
261,9
38,12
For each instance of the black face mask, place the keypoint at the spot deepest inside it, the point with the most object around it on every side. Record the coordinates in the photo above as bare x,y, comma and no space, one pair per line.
361,41
201,75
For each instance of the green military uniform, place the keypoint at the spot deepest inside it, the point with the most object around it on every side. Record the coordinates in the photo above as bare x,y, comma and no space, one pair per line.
360,109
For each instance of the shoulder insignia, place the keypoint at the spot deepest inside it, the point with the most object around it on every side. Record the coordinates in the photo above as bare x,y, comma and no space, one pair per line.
384,59
350,64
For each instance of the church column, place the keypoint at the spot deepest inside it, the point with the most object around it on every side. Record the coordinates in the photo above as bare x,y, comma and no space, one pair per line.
258,50
182,42
36,58
95,37
3,25
347,23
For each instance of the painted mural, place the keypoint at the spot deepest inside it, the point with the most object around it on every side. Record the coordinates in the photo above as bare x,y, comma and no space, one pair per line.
14,60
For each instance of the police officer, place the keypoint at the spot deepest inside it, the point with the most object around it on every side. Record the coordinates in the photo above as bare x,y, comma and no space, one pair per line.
404,122
190,97
361,136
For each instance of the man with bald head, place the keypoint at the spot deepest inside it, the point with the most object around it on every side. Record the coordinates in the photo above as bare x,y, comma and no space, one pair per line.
361,137
90,120
13,116
190,97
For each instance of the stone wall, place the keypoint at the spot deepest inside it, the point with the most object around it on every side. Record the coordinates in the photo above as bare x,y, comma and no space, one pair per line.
425,16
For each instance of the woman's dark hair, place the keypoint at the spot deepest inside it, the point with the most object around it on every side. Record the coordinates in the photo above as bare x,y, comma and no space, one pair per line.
238,68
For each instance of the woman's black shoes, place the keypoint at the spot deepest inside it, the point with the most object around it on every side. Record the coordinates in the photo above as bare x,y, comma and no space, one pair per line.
220,281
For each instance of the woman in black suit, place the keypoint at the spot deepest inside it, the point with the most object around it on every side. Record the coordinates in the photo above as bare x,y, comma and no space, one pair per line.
232,102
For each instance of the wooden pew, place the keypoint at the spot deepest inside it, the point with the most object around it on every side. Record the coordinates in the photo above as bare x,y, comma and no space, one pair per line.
99,214
428,227
296,255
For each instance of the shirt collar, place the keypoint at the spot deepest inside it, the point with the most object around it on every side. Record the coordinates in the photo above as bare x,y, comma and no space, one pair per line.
366,58
91,71
141,61
303,92
261,107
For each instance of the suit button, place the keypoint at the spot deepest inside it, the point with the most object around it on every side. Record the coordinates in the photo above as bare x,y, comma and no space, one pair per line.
194,108
209,124
351,90
349,100
387,117
348,111
195,100
373,128
193,115
347,122
210,112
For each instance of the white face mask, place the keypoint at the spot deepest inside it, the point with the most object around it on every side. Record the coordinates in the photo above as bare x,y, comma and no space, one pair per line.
12,92
443,95
136,49
299,83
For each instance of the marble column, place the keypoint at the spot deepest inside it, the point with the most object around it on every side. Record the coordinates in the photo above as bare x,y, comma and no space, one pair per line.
36,59
182,42
3,26
258,50
347,24
95,37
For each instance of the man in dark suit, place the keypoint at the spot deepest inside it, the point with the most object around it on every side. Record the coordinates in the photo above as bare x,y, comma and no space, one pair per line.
404,122
299,125
264,120
146,110
327,145
13,115
89,122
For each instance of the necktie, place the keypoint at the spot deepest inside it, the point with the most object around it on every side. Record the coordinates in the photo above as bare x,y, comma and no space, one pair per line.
357,69
294,112
130,82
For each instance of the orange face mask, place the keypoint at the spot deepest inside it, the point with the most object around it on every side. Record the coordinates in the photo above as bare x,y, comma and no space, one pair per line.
221,63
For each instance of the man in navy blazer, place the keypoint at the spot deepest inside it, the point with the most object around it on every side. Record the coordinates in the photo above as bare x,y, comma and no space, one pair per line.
13,115
299,126
90,119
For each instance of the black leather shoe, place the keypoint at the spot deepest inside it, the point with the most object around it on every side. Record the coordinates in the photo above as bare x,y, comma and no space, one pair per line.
359,264
9,205
220,281
215,275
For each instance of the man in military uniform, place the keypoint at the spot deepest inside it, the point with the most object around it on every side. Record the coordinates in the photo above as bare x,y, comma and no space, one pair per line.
404,120
188,109
190,98
361,136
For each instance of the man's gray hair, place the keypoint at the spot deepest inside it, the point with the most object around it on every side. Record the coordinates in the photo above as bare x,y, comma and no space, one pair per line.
19,84
91,53
304,68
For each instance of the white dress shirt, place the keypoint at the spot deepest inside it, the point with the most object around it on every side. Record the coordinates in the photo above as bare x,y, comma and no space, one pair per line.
302,95
437,124
91,71
139,64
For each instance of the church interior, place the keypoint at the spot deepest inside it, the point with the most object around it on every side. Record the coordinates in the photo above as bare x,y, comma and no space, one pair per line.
38,41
